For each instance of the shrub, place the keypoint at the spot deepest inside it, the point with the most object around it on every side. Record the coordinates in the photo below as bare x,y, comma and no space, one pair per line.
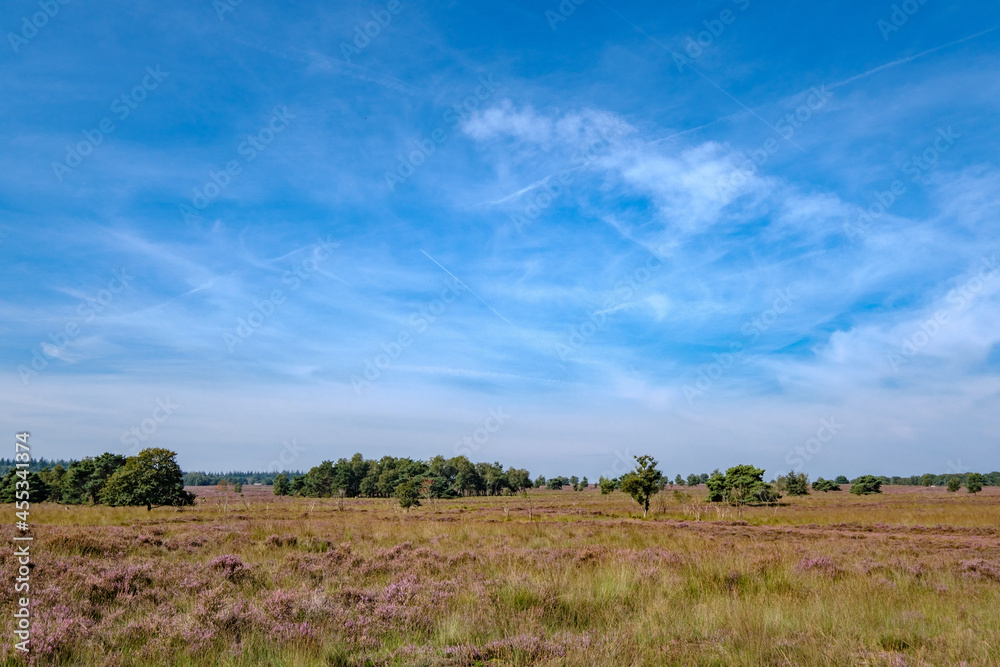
825,485
408,495
740,485
866,484
797,484
642,482
954,484
974,482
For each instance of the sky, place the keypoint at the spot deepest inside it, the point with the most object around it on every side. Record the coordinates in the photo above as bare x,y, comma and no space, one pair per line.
558,236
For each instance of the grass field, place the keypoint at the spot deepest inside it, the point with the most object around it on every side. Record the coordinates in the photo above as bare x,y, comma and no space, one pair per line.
909,577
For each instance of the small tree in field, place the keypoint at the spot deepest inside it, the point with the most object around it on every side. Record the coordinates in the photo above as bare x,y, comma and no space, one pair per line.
607,485
954,484
866,484
408,494
974,482
642,482
282,487
825,485
797,484
151,477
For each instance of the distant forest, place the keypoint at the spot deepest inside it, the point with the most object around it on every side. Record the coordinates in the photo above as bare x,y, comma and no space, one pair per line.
374,469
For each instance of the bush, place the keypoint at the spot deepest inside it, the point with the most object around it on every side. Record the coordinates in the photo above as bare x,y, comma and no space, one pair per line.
797,484
740,485
408,495
607,485
974,482
866,484
954,484
152,477
825,485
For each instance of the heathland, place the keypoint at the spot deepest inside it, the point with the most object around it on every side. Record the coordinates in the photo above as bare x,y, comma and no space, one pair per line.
907,577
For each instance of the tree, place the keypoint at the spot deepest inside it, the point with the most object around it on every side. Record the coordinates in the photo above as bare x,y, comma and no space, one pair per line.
927,479
584,483
679,481
540,482
38,490
693,479
825,485
716,484
866,484
237,487
954,484
740,485
841,479
281,485
151,477
642,482
518,479
797,484
607,485
408,494
974,482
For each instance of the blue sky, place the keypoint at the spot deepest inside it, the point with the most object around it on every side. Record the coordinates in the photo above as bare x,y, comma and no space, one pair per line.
551,235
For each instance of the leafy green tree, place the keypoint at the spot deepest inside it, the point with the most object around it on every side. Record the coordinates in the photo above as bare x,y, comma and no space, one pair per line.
716,484
954,484
642,482
679,481
151,477
974,482
281,485
540,482
841,479
693,479
518,479
408,494
797,484
606,485
740,485
825,485
38,490
237,487
866,484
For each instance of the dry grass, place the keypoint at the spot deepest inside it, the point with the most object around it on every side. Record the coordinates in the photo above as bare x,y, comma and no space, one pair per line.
910,577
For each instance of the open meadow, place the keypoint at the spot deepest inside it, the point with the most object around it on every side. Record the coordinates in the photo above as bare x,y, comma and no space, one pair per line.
908,577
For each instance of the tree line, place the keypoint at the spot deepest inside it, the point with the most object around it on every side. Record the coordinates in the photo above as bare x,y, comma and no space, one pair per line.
151,478
436,478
